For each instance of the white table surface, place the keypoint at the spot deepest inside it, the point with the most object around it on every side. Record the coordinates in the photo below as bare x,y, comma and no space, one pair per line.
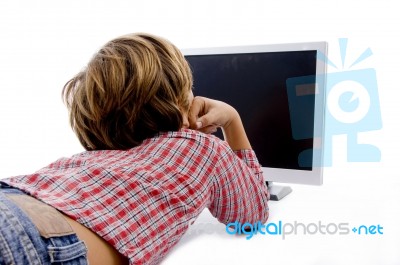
350,194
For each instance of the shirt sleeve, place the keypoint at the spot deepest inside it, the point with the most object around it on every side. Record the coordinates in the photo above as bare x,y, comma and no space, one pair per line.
239,191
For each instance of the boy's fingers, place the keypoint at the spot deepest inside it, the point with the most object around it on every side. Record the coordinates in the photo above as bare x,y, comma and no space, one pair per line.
201,116
197,109
199,125
209,129
203,122
208,122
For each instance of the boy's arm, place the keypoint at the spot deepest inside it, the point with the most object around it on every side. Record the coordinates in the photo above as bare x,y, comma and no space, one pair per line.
207,115
240,193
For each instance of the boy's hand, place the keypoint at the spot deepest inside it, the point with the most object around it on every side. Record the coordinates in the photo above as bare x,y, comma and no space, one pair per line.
206,115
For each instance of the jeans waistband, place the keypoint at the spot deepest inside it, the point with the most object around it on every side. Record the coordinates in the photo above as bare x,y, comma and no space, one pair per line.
22,243
47,220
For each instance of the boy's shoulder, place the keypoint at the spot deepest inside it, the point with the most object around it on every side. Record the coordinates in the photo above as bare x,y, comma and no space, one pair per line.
191,135
193,138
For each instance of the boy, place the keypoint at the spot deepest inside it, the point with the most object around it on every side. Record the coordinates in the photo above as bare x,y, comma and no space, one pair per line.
150,167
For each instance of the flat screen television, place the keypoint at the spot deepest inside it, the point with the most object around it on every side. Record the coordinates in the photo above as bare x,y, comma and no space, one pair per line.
279,92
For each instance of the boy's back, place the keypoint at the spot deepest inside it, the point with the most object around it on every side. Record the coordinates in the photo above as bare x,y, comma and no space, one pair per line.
142,199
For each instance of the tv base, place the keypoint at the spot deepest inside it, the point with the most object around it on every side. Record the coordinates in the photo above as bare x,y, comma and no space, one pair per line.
278,192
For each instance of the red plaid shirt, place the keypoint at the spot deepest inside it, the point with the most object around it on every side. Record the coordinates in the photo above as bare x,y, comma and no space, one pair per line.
142,200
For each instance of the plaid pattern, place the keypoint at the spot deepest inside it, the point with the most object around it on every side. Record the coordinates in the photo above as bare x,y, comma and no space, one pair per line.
142,200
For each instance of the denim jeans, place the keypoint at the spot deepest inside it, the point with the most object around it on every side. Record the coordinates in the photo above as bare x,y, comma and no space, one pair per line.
21,242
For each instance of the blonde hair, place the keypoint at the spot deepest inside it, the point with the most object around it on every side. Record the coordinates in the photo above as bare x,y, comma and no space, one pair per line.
133,88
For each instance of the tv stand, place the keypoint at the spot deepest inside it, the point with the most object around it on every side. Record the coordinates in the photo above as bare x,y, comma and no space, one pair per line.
277,192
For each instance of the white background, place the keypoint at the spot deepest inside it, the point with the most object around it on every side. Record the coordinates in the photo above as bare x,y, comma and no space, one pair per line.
44,43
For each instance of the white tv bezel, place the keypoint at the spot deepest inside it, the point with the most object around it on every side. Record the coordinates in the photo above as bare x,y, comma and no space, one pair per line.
309,177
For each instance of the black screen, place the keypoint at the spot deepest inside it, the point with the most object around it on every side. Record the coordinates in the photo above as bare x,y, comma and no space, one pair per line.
255,84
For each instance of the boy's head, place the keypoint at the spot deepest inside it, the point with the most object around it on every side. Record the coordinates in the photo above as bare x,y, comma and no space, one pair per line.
134,87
